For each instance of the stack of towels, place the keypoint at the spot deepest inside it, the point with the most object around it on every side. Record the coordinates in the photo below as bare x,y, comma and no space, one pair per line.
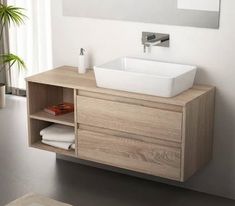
59,136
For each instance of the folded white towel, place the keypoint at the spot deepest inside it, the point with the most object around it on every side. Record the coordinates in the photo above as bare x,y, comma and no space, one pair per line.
61,145
73,146
59,138
59,133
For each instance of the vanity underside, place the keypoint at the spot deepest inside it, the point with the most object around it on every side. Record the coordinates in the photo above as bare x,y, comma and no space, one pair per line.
166,137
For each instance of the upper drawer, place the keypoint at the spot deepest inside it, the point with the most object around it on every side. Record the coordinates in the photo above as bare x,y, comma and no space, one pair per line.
130,118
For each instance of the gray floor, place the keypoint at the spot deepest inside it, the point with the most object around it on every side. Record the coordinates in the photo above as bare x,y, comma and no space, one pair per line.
24,170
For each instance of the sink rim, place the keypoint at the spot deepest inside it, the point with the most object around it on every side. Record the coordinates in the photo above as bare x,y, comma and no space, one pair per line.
189,68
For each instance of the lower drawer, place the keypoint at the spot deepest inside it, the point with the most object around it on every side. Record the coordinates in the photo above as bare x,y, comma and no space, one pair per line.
129,154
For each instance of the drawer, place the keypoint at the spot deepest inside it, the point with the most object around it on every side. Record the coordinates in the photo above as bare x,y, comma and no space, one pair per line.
130,154
130,118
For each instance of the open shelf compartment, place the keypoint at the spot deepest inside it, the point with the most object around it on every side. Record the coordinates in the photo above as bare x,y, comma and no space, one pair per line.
35,139
39,97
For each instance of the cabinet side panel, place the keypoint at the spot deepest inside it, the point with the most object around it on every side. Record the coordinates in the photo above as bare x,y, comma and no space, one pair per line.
76,126
198,125
28,114
37,98
35,127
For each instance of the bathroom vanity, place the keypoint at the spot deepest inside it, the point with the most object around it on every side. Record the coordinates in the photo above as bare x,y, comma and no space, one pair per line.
166,137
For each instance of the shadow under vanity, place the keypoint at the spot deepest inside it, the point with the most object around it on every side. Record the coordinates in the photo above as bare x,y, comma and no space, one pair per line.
166,137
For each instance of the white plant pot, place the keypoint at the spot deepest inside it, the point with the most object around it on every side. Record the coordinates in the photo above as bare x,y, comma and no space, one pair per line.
2,96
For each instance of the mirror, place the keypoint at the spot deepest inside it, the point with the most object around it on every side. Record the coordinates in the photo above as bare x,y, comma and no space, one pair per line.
195,13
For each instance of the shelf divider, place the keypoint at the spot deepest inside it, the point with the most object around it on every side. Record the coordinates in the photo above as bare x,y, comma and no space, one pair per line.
66,119
41,146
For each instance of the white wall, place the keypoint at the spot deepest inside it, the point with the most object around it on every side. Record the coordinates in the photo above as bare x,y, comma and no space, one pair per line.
212,50
203,5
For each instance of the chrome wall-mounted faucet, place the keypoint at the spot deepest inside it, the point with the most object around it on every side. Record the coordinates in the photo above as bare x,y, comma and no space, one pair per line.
150,39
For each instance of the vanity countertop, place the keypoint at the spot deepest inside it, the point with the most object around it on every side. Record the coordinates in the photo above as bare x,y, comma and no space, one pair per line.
68,77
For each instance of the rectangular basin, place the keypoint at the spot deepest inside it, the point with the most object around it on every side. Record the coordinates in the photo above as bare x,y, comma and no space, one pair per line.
145,76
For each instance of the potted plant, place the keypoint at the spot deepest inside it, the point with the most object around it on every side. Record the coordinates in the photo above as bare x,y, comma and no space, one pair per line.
9,15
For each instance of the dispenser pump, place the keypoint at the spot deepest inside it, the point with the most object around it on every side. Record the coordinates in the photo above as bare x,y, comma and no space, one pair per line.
82,51
82,62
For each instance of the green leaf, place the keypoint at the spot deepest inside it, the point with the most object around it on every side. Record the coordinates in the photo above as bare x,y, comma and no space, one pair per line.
12,59
11,14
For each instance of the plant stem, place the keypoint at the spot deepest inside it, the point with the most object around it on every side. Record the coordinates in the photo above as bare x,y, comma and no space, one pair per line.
1,33
10,66
2,67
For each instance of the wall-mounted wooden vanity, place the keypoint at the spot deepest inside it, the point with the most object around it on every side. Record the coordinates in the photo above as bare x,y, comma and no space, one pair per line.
166,137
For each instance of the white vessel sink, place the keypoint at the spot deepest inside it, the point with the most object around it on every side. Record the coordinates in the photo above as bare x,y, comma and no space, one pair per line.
145,76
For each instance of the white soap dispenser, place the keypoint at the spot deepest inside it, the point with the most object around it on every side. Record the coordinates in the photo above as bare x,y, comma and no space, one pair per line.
82,62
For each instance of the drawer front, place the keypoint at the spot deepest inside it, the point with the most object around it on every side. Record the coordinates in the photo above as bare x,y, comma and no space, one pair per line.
130,154
130,118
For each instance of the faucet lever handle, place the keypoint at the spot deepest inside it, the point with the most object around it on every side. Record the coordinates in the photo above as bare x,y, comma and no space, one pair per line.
151,37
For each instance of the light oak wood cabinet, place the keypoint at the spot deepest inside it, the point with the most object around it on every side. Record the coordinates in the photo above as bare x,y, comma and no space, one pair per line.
166,137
